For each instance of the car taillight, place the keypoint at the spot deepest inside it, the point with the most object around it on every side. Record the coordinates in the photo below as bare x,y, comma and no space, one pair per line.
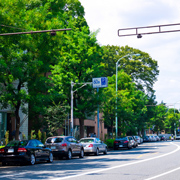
22,150
115,142
91,145
126,141
64,144
1,150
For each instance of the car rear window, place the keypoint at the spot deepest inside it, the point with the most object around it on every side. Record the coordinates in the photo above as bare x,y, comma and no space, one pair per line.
86,140
122,138
17,143
54,140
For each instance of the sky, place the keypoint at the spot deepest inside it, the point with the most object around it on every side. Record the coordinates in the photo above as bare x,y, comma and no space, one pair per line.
108,16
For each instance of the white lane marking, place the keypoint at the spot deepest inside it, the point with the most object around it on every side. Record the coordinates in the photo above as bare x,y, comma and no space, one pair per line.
119,166
105,169
163,174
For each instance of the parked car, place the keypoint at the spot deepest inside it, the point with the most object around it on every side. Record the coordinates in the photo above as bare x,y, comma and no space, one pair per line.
139,139
153,138
123,142
93,145
65,146
178,137
146,138
162,138
157,138
24,151
135,142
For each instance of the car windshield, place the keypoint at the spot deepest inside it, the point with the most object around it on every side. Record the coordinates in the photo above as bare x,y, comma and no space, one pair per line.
17,143
86,140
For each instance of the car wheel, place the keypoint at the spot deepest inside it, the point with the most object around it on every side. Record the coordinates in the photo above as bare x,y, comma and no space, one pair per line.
81,154
97,152
50,160
32,159
69,155
105,152
3,163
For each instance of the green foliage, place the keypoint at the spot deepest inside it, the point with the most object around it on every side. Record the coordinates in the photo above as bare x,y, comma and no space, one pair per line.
1,147
110,143
143,69
44,137
39,134
23,136
54,118
33,135
6,137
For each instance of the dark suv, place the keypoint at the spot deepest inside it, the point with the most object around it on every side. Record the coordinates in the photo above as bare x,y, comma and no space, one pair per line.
65,146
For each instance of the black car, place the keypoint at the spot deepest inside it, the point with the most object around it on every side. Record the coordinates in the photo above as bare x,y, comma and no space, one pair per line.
25,151
123,142
162,138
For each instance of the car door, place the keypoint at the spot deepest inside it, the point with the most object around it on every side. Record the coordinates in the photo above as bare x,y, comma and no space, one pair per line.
34,149
72,144
44,152
99,144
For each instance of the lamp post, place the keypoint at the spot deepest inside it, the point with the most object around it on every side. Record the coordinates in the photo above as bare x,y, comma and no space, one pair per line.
72,118
116,119
175,123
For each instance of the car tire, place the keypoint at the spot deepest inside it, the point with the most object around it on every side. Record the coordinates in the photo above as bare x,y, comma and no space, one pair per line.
81,153
105,152
50,160
69,154
97,152
3,163
32,159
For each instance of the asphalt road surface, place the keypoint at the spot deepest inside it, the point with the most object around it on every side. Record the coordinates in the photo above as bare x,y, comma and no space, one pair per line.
156,160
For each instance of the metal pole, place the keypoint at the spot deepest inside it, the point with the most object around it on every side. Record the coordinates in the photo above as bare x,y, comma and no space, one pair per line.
72,123
116,119
98,116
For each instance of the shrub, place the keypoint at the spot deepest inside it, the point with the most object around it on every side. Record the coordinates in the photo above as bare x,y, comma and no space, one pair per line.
6,137
39,135
110,142
33,136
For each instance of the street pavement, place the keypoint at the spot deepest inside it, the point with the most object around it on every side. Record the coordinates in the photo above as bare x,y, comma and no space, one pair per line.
155,160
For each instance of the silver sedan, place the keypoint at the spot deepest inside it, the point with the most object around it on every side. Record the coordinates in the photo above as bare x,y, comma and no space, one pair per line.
93,145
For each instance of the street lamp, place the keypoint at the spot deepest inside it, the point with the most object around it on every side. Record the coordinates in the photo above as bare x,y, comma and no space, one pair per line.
72,118
175,123
116,119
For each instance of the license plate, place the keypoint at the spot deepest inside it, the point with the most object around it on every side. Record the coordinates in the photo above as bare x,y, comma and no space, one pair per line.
10,150
53,147
120,145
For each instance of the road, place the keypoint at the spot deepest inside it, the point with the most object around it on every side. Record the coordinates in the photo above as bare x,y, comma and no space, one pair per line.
156,160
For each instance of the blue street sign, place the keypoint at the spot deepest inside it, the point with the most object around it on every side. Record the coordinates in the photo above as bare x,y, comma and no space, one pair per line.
100,82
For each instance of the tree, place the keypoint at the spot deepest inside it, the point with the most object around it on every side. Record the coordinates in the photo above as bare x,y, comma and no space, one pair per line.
80,61
172,120
54,118
25,59
158,121
130,104
143,69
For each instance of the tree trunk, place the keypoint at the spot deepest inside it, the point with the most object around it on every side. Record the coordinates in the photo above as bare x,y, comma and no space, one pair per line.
17,124
81,123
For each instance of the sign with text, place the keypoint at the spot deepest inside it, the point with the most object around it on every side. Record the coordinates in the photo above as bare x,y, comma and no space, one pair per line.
100,82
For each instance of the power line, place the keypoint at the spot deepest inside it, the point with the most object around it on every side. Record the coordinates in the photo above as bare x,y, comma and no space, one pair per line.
53,32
